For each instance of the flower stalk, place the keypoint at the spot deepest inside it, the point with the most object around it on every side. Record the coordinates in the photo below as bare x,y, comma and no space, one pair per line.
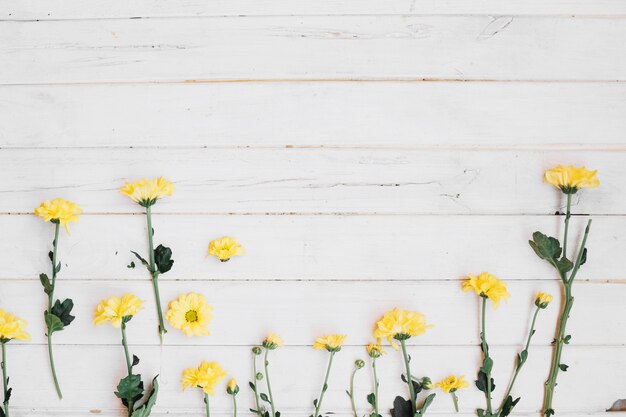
487,361
5,379
267,381
206,405
358,364
256,351
376,384
55,243
409,379
318,403
155,273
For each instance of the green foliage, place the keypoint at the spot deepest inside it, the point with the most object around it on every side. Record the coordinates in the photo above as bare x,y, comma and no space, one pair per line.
142,260
563,367
163,259
146,408
53,323
129,389
45,282
546,247
63,311
481,382
508,405
371,399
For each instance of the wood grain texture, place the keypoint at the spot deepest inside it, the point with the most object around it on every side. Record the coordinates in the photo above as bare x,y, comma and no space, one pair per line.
313,48
374,114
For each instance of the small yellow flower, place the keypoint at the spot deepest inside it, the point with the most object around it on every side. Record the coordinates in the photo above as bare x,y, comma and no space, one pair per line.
114,309
543,299
330,342
273,341
232,388
487,286
225,248
191,314
570,179
59,211
453,383
147,192
205,376
12,327
375,350
400,324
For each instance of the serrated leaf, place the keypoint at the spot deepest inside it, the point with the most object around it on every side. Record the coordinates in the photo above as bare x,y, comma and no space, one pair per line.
146,408
53,323
563,367
62,310
130,388
402,408
564,265
163,259
546,247
45,282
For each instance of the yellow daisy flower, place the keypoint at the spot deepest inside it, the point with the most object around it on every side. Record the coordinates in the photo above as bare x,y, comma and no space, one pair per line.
225,248
453,383
570,179
543,299
273,341
191,314
374,350
147,192
59,211
205,376
487,286
12,327
400,324
114,309
330,342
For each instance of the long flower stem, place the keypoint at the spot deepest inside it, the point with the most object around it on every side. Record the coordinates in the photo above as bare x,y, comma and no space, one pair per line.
486,354
155,274
375,386
234,406
256,387
455,400
129,364
269,386
409,379
352,392
568,214
325,386
55,245
206,404
5,379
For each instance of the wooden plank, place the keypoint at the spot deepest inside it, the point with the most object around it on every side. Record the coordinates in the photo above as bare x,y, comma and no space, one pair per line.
314,48
89,9
406,181
298,373
311,247
351,307
510,115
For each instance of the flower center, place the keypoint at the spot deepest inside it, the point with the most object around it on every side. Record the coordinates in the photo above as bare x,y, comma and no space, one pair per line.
191,316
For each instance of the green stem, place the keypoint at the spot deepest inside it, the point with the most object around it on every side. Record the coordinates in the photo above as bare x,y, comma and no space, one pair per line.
155,274
256,387
55,245
5,379
408,375
52,367
486,354
375,386
455,400
206,404
325,386
567,216
234,406
269,386
129,364
352,391
581,251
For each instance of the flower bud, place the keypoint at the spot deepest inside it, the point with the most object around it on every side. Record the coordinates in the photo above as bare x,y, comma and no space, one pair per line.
374,350
359,363
259,376
256,350
426,383
232,388
543,299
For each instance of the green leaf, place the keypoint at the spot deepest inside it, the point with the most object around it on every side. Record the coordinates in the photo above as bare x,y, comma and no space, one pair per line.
53,323
131,265
143,261
264,397
567,338
583,258
481,382
2,413
549,412
563,367
427,402
130,388
417,387
146,408
135,360
252,386
402,408
163,259
521,357
564,265
546,247
62,310
371,399
45,281
487,365
508,405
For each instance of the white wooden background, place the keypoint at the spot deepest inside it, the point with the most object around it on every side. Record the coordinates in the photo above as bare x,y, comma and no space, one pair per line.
367,153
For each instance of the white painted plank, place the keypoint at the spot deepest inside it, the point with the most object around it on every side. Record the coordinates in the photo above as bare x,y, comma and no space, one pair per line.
298,372
310,247
321,47
300,310
382,114
310,180
88,9
25,411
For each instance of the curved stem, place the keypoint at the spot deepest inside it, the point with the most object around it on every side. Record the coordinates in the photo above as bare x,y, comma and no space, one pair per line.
5,379
352,392
206,404
52,367
375,386
269,386
234,406
256,387
408,375
55,245
325,386
455,400
129,364
486,354
154,273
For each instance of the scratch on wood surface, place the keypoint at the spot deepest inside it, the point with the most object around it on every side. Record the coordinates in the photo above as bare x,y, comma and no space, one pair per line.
494,27
411,31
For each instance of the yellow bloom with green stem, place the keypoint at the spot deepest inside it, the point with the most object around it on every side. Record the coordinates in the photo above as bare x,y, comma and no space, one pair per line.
542,300
451,385
11,327
191,314
487,286
271,342
331,343
147,192
225,248
569,179
58,315
233,389
206,377
374,351
114,309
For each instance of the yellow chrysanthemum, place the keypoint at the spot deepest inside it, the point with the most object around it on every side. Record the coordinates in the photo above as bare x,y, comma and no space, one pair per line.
487,286
453,383
273,341
225,248
330,342
232,388
12,327
205,376
147,192
543,299
400,324
374,350
114,309
191,314
59,210
570,179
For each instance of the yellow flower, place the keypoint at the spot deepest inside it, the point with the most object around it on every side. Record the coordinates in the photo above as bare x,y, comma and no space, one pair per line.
453,383
375,350
147,192
487,286
232,388
59,211
570,179
12,327
115,309
330,342
205,376
191,314
225,248
400,324
273,341
543,299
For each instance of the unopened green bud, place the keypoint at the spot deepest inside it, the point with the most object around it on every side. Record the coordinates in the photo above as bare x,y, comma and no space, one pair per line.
359,363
